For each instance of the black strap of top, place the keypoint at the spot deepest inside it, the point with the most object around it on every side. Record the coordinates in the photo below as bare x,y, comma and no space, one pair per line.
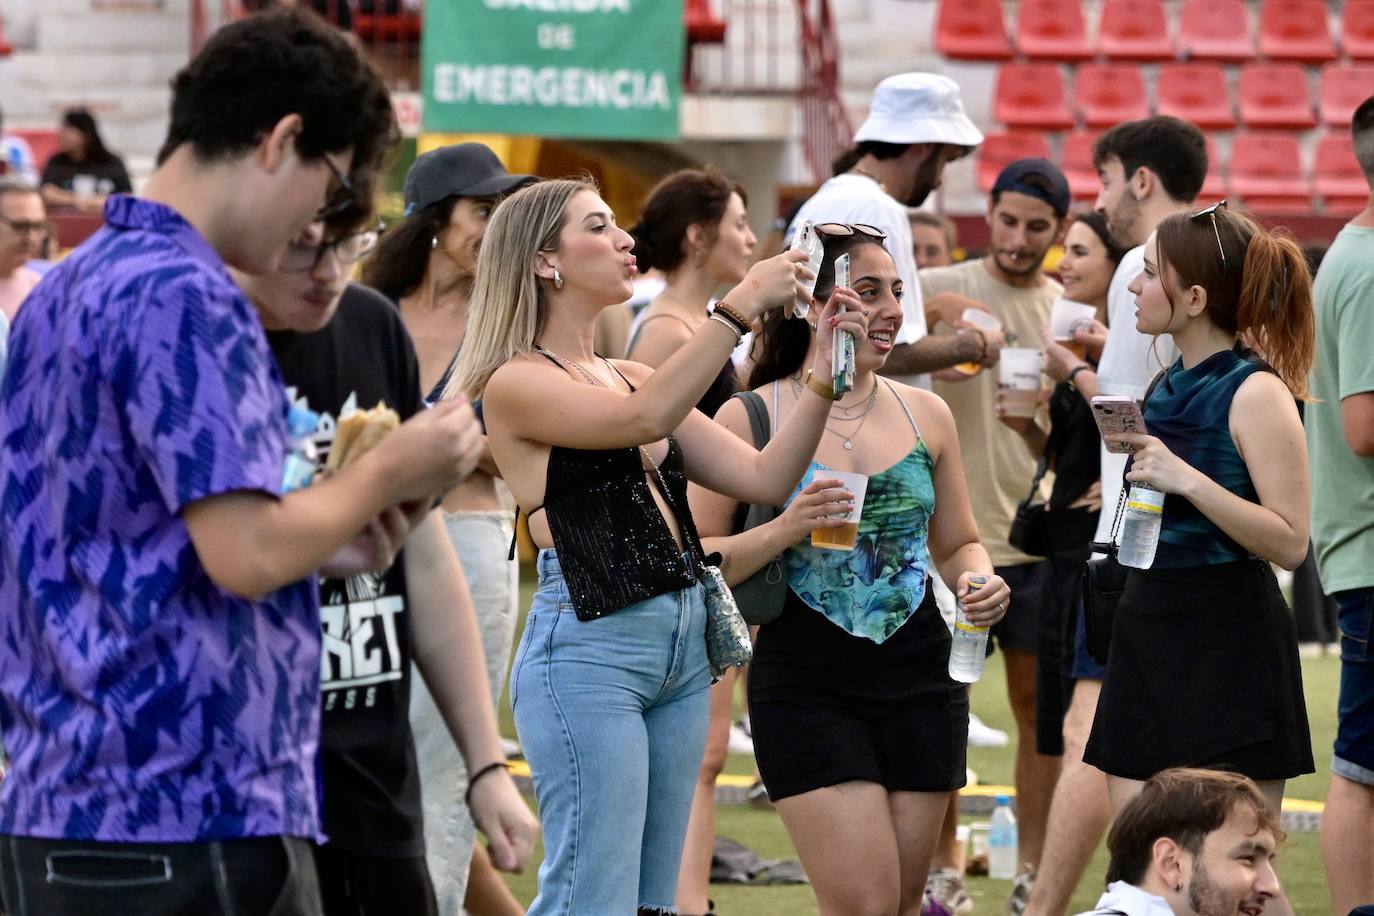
515,534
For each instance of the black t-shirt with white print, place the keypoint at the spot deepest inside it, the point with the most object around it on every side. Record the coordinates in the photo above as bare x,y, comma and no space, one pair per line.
371,781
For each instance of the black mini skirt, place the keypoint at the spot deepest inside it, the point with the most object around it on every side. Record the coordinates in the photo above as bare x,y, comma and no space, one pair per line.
828,707
1203,671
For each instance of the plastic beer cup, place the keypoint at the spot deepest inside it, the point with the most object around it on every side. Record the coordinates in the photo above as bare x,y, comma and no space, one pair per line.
847,535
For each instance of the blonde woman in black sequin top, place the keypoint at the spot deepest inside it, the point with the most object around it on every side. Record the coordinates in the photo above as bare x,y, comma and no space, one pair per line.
610,680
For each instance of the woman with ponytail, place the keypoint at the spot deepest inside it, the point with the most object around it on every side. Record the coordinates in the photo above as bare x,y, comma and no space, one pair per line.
609,686
1204,659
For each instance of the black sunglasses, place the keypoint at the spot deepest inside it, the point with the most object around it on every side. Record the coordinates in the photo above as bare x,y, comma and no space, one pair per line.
1212,212
341,199
843,230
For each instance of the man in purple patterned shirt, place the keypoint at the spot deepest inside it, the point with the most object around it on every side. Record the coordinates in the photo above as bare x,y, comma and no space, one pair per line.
159,621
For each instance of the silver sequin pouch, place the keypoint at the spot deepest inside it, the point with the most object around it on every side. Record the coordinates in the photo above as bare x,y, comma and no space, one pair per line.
727,635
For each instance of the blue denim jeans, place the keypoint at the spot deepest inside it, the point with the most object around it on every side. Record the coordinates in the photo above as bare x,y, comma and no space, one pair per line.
611,714
1354,751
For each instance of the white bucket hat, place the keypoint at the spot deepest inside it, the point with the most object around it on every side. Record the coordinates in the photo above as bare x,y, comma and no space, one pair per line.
918,108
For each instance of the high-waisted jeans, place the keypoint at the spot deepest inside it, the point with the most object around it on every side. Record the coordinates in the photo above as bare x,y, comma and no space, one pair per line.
612,716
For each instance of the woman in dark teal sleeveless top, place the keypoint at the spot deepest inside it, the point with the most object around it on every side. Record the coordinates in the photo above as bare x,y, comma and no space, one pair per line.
1203,668
859,732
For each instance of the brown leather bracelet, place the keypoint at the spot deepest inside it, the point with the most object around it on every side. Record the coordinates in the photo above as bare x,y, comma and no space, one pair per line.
472,780
820,387
727,311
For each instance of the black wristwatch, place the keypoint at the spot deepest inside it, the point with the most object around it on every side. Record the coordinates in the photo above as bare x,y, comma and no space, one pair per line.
1083,368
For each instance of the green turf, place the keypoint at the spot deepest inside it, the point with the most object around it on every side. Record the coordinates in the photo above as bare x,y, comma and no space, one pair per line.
1300,861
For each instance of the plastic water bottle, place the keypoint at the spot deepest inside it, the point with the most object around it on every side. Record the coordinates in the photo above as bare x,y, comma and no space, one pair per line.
1140,527
1002,842
301,463
970,646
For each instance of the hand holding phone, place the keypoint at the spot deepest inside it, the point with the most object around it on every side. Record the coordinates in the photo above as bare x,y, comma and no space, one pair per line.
1117,414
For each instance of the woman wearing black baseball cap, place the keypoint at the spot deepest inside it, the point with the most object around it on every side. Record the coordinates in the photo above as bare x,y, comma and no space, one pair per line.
427,264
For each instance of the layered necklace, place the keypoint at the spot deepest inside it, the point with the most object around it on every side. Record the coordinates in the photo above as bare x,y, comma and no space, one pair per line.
856,412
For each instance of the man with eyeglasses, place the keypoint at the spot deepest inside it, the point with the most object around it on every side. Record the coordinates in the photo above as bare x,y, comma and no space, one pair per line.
341,346
23,228
160,644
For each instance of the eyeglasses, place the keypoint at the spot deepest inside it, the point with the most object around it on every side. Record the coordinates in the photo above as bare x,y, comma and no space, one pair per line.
842,230
340,199
303,254
26,227
1212,212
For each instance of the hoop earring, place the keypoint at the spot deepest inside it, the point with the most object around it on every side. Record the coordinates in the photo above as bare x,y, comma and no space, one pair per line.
557,279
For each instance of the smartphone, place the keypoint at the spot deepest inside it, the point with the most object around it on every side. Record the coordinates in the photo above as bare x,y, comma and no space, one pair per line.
808,241
842,344
1117,414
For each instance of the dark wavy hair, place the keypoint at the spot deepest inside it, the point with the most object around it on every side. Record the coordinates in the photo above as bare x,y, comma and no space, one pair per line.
686,198
781,344
400,260
254,72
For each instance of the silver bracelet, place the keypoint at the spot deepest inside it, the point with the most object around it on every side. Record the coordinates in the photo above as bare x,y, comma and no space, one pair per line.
726,322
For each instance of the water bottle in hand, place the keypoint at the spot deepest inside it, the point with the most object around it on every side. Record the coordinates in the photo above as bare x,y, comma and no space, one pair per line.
1002,841
1140,527
970,646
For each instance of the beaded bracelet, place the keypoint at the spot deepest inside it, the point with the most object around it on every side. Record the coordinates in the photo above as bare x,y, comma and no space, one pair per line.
472,780
724,308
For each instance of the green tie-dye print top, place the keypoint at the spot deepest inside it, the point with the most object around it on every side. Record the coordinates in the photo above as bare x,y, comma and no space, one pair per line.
872,590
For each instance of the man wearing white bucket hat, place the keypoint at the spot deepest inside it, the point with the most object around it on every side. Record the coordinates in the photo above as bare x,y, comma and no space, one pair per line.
916,125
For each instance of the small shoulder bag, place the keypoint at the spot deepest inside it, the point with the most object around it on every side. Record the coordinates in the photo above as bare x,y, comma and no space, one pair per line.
762,595
1030,531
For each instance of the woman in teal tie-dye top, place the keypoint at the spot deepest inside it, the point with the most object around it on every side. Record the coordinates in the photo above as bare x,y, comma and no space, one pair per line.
859,732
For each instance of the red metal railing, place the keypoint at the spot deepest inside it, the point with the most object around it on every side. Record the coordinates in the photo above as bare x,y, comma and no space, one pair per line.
780,48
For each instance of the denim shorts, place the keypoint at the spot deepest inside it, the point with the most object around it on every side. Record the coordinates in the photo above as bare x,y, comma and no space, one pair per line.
1354,751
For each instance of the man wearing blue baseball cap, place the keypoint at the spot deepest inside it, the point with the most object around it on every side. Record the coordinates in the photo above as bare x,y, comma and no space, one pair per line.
1026,212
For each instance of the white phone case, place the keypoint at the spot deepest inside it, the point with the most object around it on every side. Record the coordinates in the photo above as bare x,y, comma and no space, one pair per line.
1117,414
808,241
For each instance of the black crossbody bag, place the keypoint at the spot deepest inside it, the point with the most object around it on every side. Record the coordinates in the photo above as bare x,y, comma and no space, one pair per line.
1030,527
1104,579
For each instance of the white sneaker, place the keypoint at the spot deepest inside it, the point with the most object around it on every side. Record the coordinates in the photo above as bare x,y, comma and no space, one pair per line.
983,735
740,742
946,887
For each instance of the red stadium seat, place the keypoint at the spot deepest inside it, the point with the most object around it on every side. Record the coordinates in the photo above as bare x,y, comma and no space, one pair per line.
1215,30
1031,95
1052,30
1108,94
43,141
702,24
1295,30
1196,93
1001,150
1357,29
1343,88
1275,96
1134,30
1076,162
1337,176
1266,173
972,30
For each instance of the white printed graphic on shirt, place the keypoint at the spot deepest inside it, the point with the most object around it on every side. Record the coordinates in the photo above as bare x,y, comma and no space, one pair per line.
361,637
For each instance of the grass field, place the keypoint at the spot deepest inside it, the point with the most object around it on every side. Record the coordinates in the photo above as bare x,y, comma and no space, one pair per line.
1300,861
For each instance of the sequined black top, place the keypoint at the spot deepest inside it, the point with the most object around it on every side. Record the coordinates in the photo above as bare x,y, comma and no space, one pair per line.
614,546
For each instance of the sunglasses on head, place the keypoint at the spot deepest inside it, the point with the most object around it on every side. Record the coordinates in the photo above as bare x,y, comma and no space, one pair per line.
843,230
1212,212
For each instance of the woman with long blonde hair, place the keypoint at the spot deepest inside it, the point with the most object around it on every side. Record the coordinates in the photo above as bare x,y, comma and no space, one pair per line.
610,680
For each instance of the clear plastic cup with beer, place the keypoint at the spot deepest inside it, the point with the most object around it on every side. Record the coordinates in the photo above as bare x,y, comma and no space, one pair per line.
1067,317
979,318
845,536
1019,378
